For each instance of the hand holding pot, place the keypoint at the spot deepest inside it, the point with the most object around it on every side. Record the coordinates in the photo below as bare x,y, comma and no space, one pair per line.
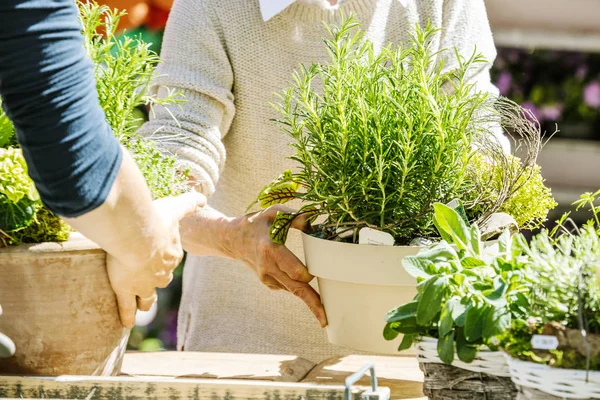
246,239
136,278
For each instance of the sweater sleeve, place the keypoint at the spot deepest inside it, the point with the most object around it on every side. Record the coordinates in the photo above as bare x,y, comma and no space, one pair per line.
48,91
196,64
467,28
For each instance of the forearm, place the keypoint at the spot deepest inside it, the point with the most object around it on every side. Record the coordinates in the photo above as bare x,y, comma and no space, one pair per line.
127,216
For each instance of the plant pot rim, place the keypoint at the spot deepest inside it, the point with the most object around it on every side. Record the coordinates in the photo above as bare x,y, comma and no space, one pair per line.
76,242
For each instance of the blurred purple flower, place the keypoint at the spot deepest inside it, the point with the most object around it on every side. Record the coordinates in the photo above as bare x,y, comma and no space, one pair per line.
504,82
552,112
581,72
169,331
534,111
591,94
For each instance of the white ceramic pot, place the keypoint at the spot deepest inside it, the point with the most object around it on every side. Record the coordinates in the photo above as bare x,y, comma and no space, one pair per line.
359,284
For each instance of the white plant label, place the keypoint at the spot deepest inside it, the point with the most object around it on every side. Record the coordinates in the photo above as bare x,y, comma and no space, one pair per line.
375,237
403,2
544,342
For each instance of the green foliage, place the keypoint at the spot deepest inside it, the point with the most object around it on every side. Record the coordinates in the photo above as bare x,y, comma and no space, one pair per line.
382,135
8,136
530,203
123,69
18,196
565,290
45,227
467,293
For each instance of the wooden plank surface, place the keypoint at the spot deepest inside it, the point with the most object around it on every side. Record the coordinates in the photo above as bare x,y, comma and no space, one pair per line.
401,374
216,366
155,388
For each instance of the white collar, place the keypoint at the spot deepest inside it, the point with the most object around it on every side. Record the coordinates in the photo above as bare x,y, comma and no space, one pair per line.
270,8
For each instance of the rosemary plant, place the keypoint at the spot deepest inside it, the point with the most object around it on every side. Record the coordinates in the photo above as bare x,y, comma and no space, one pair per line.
387,134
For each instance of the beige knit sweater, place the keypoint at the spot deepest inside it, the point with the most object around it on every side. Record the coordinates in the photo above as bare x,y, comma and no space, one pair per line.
229,63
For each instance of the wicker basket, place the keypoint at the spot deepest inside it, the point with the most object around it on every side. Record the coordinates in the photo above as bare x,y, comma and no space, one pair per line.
538,381
486,378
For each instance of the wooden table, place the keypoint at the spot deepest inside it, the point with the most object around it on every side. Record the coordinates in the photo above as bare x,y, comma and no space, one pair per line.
190,375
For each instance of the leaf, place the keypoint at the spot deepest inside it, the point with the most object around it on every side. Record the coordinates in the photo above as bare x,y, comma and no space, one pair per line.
403,312
474,323
416,266
389,333
15,216
456,308
407,342
504,242
431,300
476,244
445,235
496,295
280,227
407,326
496,321
446,320
472,262
466,352
453,224
280,191
445,348
440,252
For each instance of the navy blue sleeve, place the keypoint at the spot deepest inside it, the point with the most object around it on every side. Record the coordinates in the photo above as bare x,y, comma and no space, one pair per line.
48,90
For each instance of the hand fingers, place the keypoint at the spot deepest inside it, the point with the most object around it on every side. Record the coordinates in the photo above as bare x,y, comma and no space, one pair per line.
271,283
164,281
306,293
187,204
127,308
301,223
145,303
291,265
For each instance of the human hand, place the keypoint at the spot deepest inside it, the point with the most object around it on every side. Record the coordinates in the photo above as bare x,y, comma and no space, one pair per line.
150,263
275,265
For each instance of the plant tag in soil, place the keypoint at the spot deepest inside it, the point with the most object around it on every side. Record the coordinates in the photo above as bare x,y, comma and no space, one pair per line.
544,342
375,237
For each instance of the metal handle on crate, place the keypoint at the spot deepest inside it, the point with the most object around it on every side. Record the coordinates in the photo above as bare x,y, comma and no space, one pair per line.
355,377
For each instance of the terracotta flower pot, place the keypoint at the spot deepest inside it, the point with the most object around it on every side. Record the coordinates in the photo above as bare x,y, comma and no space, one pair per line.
59,309
359,284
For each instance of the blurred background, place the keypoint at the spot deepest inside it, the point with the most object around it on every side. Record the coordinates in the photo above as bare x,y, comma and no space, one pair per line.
548,61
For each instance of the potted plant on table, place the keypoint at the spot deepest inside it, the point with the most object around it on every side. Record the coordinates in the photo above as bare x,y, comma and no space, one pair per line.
467,295
385,137
555,352
58,305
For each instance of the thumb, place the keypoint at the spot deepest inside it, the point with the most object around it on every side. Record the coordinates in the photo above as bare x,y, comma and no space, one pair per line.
187,204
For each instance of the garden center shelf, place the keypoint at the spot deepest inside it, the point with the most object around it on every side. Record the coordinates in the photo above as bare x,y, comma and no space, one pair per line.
191,375
549,24
570,168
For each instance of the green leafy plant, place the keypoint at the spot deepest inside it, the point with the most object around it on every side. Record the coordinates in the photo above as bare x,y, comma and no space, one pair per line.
389,133
565,298
467,293
530,203
123,70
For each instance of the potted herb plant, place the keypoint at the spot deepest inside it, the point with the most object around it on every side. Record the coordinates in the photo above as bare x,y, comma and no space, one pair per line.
467,295
380,137
58,304
555,352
